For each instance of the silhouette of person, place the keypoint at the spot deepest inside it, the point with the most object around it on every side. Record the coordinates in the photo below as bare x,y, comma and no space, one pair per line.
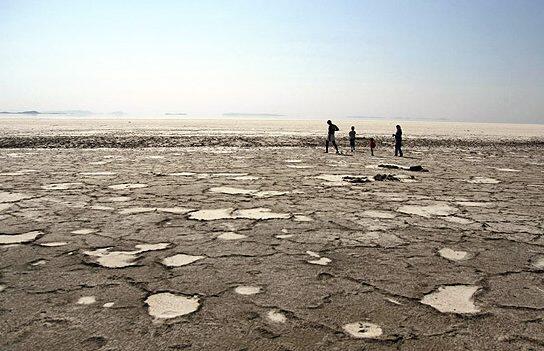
352,134
398,141
330,137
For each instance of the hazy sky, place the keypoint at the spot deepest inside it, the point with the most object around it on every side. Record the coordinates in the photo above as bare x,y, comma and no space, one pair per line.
464,60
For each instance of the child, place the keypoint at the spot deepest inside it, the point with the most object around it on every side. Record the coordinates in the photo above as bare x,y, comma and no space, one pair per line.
352,138
372,146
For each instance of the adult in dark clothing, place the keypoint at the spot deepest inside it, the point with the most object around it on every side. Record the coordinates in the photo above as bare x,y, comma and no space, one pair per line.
330,137
398,141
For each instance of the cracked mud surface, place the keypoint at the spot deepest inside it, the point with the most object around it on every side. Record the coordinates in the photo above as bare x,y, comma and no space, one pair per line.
171,249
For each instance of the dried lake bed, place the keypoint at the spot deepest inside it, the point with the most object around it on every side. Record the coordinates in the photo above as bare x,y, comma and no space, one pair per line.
268,248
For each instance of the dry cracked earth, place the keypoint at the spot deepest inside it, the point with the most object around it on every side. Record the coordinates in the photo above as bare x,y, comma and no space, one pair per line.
270,249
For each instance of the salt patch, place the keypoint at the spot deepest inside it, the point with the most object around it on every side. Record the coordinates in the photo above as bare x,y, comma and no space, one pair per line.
270,193
167,305
175,210
378,214
182,174
84,231
108,304
54,244
137,210
458,220
323,261
12,197
482,180
428,211
474,204
102,208
4,207
118,199
453,298
313,254
245,178
229,213
113,259
127,186
62,186
507,170
180,260
97,174
232,191
210,215
539,263
394,301
19,238
152,247
38,263
231,236
260,213
2,287
276,316
247,290
86,300
363,330
229,174
302,218
453,255
299,166
284,236
293,161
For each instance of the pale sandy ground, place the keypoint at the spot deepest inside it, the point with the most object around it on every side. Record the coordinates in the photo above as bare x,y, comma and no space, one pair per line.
446,261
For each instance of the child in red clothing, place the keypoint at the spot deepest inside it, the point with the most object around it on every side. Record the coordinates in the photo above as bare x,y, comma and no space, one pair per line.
372,146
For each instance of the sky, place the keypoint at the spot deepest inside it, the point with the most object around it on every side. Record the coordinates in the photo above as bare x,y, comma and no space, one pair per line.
460,60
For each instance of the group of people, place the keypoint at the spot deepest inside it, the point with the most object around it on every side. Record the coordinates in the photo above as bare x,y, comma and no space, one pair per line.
331,139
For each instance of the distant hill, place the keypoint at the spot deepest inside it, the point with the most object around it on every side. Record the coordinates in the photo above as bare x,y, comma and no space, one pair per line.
175,114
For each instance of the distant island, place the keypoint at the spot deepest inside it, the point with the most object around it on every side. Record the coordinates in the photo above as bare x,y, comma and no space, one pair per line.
236,114
20,113
71,113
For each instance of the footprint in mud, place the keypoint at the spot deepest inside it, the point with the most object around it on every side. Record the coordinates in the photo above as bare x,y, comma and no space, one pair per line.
166,305
363,330
453,299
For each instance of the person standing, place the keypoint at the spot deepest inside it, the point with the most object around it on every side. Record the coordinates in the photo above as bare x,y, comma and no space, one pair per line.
398,141
372,145
330,137
352,134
